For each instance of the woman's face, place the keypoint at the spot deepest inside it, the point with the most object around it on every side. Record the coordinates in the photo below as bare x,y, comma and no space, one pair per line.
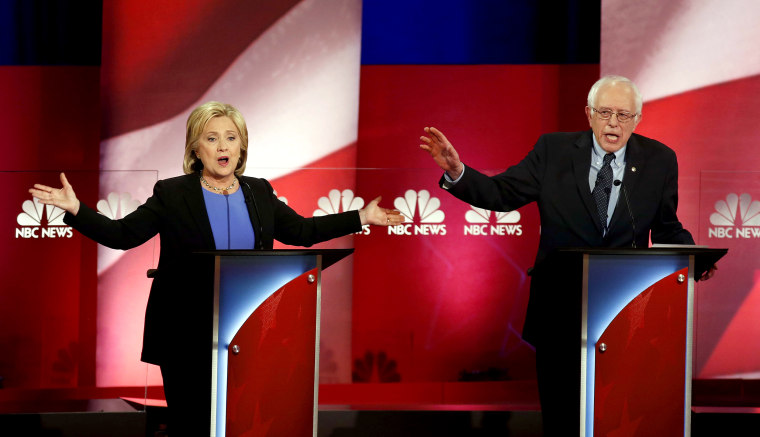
219,149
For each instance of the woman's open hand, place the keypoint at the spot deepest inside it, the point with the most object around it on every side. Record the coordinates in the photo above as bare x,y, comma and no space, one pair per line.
63,197
373,214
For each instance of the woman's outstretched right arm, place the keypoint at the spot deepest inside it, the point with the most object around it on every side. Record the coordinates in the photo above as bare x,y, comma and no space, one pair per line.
131,231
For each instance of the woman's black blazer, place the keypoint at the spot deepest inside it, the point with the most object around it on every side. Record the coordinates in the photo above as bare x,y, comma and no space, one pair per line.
178,315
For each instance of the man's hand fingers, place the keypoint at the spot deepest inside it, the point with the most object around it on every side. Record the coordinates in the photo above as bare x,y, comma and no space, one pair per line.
438,134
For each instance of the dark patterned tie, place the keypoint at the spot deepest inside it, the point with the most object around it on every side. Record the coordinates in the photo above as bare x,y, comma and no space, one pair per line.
603,188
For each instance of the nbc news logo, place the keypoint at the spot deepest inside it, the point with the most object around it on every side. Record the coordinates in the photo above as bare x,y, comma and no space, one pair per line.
114,206
30,221
735,217
479,222
426,207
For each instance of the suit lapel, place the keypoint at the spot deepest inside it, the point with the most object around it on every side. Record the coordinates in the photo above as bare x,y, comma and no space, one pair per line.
581,168
193,196
635,160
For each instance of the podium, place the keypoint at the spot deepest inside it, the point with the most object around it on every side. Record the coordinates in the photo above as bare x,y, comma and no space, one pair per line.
265,353
634,312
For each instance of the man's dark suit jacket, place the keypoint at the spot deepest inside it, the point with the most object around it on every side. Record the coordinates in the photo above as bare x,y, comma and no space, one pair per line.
555,175
178,314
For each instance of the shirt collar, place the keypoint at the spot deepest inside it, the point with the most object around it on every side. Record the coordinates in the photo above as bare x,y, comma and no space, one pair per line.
598,152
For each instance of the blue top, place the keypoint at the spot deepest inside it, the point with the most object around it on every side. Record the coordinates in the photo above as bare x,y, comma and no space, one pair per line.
229,219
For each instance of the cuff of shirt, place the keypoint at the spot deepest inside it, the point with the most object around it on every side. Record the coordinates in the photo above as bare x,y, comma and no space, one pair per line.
451,182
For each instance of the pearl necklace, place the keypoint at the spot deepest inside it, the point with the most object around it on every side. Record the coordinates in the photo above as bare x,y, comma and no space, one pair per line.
223,190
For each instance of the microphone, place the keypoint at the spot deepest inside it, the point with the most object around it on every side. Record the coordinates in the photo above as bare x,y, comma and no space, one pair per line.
619,183
250,199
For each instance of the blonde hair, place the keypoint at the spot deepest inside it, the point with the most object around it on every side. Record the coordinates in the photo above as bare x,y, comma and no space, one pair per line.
196,123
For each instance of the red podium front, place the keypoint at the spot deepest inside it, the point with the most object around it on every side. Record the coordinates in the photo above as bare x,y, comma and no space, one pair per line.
629,311
636,339
265,341
641,367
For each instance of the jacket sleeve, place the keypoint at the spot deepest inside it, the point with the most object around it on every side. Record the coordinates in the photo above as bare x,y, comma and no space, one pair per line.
666,228
507,191
131,231
293,229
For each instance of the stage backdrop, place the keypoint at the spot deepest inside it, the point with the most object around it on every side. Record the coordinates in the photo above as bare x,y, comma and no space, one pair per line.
696,63
336,94
49,74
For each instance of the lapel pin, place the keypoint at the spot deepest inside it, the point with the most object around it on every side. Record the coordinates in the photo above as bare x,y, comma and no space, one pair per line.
633,169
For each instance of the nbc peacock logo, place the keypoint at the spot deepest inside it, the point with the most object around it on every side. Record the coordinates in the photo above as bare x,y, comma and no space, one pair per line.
419,204
340,201
479,219
735,217
41,221
116,206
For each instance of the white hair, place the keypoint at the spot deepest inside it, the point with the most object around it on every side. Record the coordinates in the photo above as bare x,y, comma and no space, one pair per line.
612,79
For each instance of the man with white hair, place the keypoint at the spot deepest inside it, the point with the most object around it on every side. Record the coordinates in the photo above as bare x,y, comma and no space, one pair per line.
576,180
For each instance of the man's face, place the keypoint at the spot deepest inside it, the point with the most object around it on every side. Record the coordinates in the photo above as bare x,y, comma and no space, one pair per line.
612,134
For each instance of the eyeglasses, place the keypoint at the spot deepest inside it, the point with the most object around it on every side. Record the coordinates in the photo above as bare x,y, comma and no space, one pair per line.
606,114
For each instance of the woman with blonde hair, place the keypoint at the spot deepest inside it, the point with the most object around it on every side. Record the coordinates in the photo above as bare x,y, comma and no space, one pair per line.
212,207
